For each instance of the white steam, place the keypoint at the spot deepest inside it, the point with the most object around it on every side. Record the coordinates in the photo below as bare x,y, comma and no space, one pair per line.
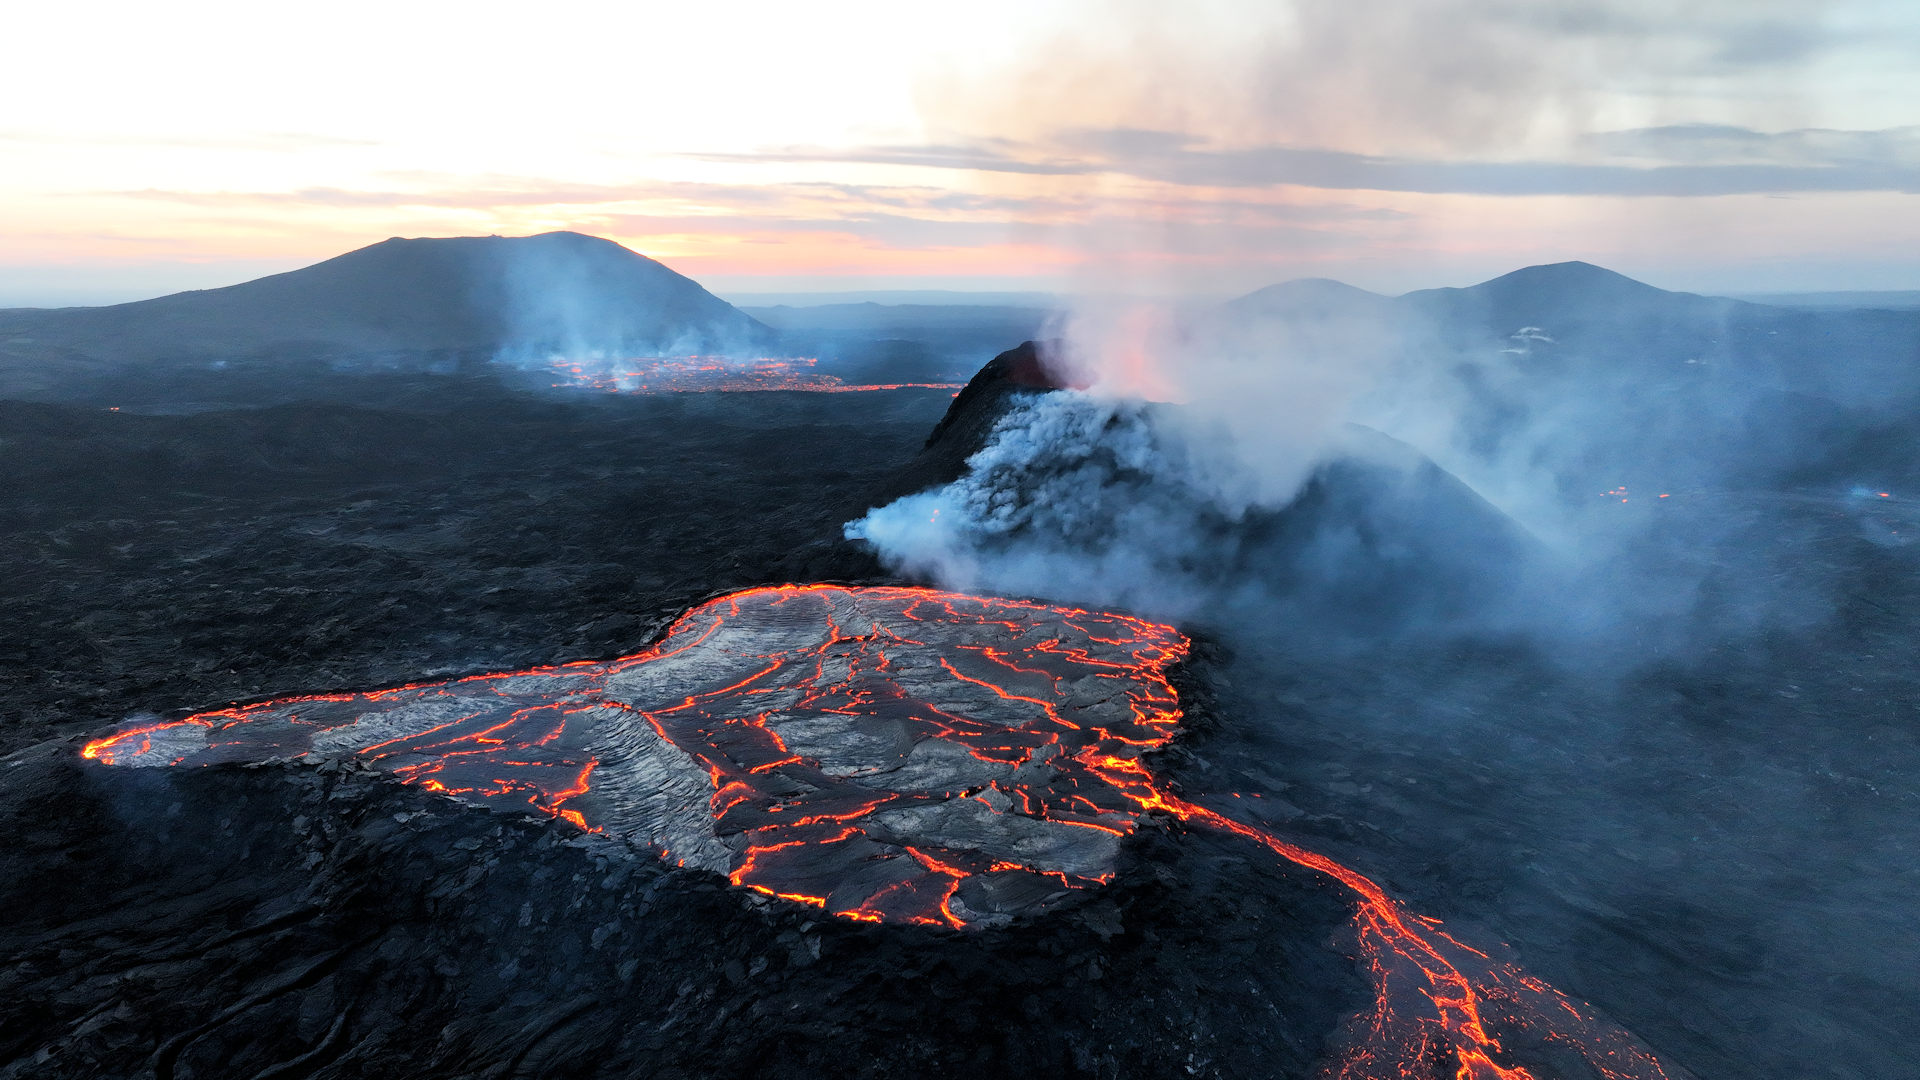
1248,494
1098,496
1262,391
1075,496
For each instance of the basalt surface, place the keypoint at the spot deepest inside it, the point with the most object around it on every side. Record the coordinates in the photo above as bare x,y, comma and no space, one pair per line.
1716,850
283,919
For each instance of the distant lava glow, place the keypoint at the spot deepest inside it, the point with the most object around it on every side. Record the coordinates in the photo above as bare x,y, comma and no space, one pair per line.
696,374
891,755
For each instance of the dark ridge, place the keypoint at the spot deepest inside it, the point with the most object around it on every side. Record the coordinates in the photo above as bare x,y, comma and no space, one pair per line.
1016,369
1570,274
1579,281
1418,544
962,432
1557,292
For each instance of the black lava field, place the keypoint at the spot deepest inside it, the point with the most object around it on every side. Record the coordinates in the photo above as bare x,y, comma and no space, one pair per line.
459,730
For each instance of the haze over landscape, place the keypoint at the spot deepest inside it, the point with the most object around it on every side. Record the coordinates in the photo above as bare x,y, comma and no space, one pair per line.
1340,540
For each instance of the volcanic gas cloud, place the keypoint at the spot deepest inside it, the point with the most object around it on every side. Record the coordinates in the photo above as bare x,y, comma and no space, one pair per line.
893,755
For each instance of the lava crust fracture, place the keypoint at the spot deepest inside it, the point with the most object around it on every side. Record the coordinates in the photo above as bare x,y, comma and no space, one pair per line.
885,753
895,755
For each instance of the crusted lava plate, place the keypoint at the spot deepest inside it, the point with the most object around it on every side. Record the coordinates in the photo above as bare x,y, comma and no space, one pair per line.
893,754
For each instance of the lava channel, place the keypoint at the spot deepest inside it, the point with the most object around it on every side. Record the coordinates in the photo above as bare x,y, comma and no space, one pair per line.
893,755
699,374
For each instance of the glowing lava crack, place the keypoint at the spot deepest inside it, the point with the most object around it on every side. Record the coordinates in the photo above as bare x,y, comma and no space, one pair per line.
891,754
887,754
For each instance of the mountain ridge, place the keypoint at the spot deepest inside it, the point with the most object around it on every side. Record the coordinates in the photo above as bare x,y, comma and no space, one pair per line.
548,291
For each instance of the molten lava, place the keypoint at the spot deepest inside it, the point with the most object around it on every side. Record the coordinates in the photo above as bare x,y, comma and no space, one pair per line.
890,755
696,374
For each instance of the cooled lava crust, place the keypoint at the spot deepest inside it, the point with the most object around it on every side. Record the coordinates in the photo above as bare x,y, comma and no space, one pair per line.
888,754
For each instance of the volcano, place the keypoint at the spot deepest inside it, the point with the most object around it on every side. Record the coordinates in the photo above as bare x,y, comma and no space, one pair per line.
1378,534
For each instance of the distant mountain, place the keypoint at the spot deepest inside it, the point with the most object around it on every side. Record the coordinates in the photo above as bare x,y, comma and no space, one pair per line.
1589,375
1547,289
1881,300
1549,292
1578,320
1310,296
482,296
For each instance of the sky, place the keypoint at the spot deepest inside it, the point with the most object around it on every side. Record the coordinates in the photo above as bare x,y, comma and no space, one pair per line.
1203,148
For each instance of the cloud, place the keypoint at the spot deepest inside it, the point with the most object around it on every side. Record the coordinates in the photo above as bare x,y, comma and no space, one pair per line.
1284,165
904,217
987,155
1446,79
1886,149
249,141
1800,161
1742,35
1443,97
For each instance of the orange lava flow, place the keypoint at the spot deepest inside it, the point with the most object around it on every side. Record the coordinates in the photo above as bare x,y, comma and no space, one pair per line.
900,755
1435,996
699,374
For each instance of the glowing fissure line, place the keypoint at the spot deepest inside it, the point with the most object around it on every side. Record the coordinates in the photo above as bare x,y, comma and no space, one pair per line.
693,374
1046,707
367,750
1000,658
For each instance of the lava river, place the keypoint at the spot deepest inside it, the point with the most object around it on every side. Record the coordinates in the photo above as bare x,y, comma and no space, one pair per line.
894,755
696,374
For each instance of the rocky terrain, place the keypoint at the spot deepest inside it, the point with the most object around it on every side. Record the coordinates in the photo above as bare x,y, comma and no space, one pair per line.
284,920
1710,839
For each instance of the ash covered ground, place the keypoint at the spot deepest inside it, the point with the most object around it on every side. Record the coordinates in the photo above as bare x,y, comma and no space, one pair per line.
1714,845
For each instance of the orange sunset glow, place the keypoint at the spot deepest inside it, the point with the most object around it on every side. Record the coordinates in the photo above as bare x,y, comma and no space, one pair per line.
1049,146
